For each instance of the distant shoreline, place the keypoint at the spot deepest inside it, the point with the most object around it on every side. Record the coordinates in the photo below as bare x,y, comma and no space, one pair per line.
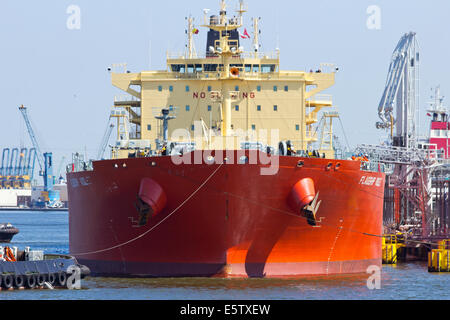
34,209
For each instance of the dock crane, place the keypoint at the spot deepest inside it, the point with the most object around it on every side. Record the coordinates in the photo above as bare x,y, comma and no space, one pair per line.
399,102
44,159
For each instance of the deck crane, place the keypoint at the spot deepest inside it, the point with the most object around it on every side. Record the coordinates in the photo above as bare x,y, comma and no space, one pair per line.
44,159
104,143
399,102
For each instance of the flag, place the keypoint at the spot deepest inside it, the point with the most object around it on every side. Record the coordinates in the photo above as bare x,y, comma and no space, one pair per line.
195,31
245,35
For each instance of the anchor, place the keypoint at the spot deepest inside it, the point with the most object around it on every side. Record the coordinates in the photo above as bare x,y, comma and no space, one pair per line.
309,211
143,209
151,200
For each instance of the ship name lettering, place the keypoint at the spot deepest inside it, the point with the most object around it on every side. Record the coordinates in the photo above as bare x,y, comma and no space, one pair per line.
244,95
74,183
368,181
378,183
85,181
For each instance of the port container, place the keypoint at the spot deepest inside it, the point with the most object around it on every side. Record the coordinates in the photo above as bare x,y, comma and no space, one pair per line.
8,198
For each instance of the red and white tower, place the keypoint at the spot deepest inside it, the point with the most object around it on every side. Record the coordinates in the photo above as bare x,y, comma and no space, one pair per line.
440,127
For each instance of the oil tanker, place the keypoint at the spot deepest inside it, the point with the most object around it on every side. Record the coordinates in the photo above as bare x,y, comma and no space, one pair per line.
214,171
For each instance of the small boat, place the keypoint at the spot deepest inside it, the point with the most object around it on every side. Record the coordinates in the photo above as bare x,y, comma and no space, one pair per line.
31,269
7,232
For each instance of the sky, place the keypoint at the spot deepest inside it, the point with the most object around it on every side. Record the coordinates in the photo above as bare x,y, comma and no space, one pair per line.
58,68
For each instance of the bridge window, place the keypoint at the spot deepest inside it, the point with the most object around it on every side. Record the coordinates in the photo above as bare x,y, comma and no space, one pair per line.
209,108
258,88
267,68
187,88
210,67
275,108
237,108
256,68
178,68
258,108
160,88
275,88
188,108
286,88
149,127
248,68
236,88
297,127
198,68
171,88
190,68
253,127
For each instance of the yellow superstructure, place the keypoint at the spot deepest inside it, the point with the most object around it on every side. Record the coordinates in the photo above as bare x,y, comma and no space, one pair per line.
225,92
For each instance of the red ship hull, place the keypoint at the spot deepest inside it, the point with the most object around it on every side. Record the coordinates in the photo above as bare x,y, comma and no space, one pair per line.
225,219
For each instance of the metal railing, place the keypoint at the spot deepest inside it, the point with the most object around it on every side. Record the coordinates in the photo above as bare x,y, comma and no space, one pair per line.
79,164
321,98
243,55
119,67
125,97
399,155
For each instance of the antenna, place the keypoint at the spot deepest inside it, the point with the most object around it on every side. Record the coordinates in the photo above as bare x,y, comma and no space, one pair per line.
190,34
437,103
205,15
256,36
242,9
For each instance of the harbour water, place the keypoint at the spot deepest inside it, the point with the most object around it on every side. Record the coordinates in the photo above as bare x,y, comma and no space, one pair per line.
49,231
